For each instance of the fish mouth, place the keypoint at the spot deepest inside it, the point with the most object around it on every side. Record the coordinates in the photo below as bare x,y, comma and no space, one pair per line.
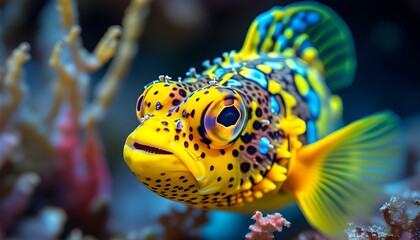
150,149
156,154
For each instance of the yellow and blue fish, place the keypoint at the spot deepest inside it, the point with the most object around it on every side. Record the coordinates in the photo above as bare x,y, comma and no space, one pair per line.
260,128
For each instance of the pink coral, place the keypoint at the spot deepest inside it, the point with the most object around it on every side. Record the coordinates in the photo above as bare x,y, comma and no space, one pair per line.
265,226
82,177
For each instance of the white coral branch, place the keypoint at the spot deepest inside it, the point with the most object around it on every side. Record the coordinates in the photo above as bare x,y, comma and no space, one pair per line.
133,27
68,15
13,84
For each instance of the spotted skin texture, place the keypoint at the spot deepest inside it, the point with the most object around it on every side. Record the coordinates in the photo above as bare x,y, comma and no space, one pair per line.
223,139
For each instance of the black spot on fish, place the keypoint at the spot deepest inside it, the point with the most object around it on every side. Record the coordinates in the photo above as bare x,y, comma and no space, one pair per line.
245,167
230,166
235,153
258,112
256,125
176,102
251,150
182,92
246,138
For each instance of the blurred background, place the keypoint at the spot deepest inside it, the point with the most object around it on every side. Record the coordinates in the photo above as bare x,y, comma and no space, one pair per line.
180,34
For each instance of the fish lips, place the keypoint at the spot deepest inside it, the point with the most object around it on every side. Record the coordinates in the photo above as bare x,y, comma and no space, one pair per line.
145,158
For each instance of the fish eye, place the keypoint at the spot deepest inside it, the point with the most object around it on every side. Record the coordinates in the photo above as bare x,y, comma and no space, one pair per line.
228,116
224,120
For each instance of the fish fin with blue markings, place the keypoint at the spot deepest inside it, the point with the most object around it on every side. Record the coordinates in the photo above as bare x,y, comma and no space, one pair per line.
336,178
309,31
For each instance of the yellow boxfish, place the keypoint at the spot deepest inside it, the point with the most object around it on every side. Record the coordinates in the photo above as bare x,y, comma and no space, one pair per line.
260,128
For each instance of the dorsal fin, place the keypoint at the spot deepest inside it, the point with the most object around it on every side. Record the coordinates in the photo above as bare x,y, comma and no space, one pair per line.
310,31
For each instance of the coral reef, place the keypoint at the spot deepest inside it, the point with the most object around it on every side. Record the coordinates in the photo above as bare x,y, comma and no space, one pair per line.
52,163
183,225
265,226
401,216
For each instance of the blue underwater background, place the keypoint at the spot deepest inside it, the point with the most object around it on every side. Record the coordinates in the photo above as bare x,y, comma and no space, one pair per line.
180,34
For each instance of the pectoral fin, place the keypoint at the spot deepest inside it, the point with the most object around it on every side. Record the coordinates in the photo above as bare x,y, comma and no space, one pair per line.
337,177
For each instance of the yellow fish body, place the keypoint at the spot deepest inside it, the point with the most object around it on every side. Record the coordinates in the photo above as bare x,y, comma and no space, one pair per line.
260,128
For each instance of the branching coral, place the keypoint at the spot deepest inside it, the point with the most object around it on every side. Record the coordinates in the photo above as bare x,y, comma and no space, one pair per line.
58,151
265,226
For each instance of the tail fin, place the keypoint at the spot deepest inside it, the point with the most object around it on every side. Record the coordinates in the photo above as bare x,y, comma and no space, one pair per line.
340,175
307,30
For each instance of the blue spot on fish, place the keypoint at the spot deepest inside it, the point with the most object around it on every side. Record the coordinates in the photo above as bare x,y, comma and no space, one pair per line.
300,14
313,18
278,29
219,72
298,25
217,60
299,68
264,20
314,103
263,145
234,83
282,41
274,105
274,65
311,133
256,76
206,64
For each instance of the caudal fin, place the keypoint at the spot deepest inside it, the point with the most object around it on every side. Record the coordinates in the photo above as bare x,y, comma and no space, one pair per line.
340,175
310,31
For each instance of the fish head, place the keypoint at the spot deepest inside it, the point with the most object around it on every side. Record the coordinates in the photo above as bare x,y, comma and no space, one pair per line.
182,148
